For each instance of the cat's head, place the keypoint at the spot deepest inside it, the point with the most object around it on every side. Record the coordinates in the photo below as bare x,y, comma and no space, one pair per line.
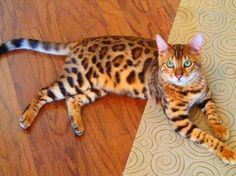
179,64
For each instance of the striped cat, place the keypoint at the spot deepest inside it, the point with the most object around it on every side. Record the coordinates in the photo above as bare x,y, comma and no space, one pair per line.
137,67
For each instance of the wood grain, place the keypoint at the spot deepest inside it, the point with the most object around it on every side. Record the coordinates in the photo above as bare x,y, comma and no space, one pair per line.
49,147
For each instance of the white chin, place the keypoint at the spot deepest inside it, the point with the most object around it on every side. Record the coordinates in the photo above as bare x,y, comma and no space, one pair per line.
181,82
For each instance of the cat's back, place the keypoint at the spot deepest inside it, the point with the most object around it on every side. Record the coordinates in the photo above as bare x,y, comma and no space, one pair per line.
116,49
112,61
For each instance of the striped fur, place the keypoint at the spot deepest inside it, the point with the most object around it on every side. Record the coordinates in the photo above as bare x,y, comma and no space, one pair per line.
35,45
136,67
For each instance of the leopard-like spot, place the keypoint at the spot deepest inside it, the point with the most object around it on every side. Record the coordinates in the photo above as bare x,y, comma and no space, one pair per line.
129,62
103,52
94,59
141,42
141,77
136,92
95,74
117,77
93,48
106,42
146,50
136,52
155,53
131,44
67,70
101,70
118,47
70,81
144,90
74,70
73,60
89,75
147,63
80,56
85,63
118,60
80,79
108,68
131,77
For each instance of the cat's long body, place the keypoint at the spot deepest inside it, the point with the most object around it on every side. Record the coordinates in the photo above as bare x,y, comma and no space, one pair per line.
136,67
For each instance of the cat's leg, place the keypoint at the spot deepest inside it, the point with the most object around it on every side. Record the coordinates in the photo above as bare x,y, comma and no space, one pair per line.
178,117
219,130
75,104
57,91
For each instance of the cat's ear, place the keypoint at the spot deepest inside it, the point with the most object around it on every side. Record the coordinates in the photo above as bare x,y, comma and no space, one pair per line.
196,43
162,46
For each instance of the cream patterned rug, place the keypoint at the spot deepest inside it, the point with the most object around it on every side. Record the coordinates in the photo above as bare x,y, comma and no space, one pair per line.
157,149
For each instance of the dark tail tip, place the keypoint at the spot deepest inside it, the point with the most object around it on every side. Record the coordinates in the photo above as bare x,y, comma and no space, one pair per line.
3,49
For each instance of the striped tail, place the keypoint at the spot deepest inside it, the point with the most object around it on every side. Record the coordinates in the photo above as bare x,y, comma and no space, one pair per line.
61,49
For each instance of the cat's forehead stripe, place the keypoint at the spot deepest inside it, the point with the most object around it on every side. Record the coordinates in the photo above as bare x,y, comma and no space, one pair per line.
178,49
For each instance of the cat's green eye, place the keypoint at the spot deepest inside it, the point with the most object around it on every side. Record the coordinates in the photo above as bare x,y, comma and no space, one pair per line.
170,64
187,63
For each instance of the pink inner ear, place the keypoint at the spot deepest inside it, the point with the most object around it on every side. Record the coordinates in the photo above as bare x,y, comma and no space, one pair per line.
162,46
196,43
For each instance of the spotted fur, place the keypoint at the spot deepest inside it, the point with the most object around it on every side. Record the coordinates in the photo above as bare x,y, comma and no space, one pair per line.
137,67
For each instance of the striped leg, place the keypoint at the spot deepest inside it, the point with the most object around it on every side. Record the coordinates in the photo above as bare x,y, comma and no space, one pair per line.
74,106
183,126
215,122
59,90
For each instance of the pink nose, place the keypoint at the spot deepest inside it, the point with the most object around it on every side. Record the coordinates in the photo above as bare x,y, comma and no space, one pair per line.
178,76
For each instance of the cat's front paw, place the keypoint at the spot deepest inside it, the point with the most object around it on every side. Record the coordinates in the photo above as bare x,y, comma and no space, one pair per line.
220,132
227,155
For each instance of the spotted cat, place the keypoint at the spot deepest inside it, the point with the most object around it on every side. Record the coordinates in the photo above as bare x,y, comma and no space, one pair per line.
137,67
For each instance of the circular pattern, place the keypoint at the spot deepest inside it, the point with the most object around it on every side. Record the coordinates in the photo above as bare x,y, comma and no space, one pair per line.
154,114
137,161
165,136
167,163
146,144
231,172
215,20
202,169
225,45
197,151
212,4
208,64
227,69
184,17
221,89
231,7
232,27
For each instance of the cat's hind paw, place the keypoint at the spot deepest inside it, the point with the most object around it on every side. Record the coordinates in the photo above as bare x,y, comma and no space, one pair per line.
27,118
78,130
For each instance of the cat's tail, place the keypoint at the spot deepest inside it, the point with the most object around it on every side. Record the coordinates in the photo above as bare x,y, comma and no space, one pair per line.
61,49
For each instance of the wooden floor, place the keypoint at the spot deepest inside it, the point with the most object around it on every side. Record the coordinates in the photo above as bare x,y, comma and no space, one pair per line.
49,147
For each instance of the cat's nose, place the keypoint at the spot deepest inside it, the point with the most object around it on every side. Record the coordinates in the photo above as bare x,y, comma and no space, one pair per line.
178,76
